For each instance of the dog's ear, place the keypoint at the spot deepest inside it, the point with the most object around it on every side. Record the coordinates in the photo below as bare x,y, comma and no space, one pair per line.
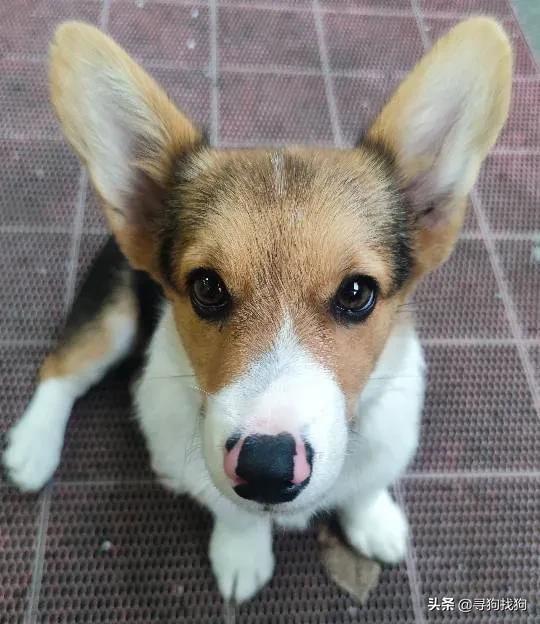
124,128
439,125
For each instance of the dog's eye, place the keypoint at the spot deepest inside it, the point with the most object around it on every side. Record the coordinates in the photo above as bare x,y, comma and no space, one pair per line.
355,298
209,295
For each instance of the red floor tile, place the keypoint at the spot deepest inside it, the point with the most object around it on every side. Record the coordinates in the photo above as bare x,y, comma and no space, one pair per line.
39,185
375,6
478,413
496,8
534,354
128,553
522,129
25,110
461,299
250,37
189,90
476,540
367,42
103,440
34,269
27,27
19,367
274,107
509,191
94,218
162,32
359,100
521,265
18,530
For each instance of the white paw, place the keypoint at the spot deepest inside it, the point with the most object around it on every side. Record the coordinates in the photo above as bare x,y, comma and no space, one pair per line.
35,442
378,531
242,562
32,454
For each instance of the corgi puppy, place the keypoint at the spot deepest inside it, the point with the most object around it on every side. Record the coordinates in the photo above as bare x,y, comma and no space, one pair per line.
283,375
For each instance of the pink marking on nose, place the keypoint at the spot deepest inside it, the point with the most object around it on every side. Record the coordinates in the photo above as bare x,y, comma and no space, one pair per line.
302,469
230,462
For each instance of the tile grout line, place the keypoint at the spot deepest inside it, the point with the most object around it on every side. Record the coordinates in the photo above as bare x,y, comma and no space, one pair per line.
76,241
410,560
481,474
420,24
503,236
214,74
104,15
269,6
39,558
479,342
269,69
515,151
530,51
507,300
328,81
184,3
344,10
292,70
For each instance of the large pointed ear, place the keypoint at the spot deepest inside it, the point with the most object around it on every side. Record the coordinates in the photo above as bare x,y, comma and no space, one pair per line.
439,125
124,128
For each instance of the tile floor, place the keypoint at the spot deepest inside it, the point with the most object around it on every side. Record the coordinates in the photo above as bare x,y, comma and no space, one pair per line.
103,543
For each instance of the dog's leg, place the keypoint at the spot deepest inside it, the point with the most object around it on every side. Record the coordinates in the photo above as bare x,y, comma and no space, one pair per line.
98,334
241,554
376,526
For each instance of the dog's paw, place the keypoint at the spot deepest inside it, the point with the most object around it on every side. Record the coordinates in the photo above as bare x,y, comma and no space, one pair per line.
33,452
242,562
379,531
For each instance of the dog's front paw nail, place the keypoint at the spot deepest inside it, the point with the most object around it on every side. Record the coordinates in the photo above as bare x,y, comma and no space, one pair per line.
380,532
241,566
32,455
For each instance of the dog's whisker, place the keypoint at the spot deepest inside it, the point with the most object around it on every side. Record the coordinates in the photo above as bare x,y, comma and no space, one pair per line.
159,377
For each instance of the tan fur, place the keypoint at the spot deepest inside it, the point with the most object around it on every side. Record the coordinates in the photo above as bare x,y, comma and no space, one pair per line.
92,342
283,228
79,56
476,53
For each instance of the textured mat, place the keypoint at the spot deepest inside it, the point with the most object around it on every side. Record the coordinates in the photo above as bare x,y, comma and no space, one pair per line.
104,544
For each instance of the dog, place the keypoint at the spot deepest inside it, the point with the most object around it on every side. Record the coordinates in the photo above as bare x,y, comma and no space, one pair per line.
283,376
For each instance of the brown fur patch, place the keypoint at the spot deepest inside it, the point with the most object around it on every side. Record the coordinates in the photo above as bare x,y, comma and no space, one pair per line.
91,342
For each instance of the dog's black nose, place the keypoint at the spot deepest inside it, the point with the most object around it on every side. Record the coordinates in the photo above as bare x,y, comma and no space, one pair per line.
272,468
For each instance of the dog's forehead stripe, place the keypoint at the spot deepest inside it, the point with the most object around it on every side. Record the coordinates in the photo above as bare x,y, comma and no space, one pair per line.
279,177
331,192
